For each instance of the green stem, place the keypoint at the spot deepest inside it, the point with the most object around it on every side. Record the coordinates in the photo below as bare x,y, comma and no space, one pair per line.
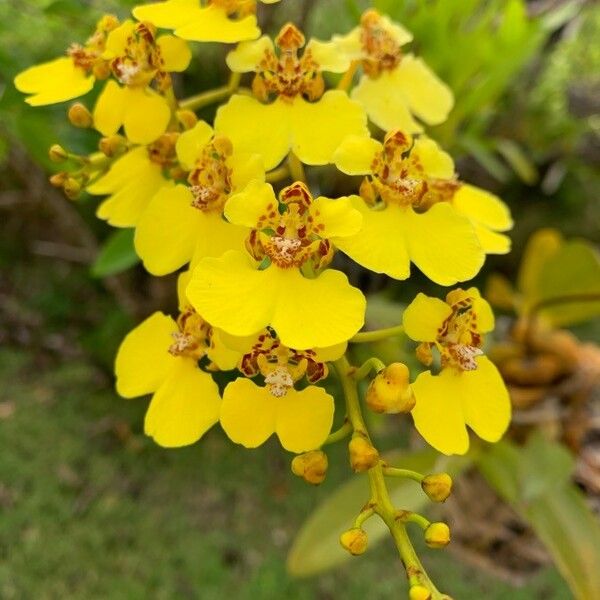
346,80
277,174
339,434
211,96
377,334
380,498
371,364
363,515
296,168
412,517
395,472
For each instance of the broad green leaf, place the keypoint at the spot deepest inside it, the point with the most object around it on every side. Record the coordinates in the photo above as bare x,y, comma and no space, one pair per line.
117,254
541,246
317,547
573,271
534,480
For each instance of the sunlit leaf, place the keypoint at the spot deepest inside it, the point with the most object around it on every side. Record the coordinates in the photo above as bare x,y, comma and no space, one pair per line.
541,246
499,292
573,272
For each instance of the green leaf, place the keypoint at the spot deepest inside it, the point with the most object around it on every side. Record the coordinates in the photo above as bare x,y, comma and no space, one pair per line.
534,480
117,254
486,158
573,271
516,158
317,547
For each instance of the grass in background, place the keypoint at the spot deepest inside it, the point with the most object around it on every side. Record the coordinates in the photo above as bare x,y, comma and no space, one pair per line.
90,508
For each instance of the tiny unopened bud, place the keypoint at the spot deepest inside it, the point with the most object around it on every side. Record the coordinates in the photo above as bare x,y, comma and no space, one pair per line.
80,116
57,153
437,486
72,188
419,592
58,179
354,541
101,70
437,535
363,456
187,118
112,145
107,23
390,391
311,466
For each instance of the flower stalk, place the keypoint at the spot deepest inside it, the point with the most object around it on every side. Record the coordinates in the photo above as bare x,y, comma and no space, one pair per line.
380,502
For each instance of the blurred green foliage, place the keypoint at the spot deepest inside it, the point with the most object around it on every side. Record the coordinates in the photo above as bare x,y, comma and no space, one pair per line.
91,509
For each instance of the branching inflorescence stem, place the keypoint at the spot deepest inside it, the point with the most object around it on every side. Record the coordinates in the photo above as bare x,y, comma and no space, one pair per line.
380,502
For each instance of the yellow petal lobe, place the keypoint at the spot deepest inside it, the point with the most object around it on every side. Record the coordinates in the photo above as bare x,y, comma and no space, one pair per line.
54,81
438,412
424,316
176,54
354,156
184,408
304,418
248,413
143,360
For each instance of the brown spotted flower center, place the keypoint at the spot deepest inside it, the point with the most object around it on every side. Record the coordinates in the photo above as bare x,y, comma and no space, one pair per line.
194,336
141,61
289,232
398,177
287,76
281,367
458,340
162,151
382,51
88,56
210,180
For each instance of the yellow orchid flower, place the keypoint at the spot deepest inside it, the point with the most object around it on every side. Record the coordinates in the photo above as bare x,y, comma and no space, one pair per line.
160,357
468,390
414,209
183,223
289,100
302,419
276,285
226,21
133,179
137,59
70,76
395,87
133,55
